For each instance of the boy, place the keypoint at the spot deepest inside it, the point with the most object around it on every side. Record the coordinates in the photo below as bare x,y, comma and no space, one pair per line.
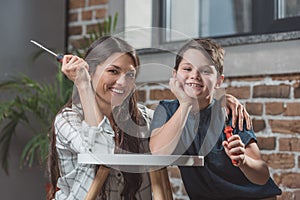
193,125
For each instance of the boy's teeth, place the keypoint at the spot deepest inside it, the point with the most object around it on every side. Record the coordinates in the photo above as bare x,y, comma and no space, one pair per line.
118,91
193,85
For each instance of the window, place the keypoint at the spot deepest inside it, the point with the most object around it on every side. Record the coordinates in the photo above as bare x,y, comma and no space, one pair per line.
271,16
287,9
227,18
177,20
206,18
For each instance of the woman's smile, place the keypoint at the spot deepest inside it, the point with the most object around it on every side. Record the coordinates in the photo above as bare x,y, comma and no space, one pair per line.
117,91
116,79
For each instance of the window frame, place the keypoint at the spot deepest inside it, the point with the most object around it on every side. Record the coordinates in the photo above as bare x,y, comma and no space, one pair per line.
270,24
263,21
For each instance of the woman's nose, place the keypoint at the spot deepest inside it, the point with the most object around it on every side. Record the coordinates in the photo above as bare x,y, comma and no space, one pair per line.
121,80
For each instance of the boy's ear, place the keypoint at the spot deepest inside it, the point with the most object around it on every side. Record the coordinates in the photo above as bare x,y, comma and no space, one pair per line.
220,80
174,73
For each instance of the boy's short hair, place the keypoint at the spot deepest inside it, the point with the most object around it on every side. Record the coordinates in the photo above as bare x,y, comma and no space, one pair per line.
215,52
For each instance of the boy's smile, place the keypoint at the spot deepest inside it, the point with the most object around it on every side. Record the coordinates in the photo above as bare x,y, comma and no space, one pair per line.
197,74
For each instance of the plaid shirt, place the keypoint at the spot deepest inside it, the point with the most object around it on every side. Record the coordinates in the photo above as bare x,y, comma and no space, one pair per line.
74,136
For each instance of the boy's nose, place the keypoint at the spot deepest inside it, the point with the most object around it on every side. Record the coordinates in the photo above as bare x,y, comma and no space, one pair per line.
196,74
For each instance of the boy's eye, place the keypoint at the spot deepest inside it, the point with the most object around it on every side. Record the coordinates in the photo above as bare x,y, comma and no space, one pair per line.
187,68
206,70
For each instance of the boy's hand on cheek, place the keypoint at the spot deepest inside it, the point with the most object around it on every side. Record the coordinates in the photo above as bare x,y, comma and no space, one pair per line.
177,89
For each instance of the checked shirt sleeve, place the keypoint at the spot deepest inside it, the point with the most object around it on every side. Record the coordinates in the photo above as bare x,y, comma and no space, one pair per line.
75,134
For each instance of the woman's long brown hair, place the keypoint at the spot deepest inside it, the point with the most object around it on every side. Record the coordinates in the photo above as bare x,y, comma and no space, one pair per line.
98,52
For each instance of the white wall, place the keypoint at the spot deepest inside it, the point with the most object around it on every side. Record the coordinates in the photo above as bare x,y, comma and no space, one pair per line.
263,59
240,60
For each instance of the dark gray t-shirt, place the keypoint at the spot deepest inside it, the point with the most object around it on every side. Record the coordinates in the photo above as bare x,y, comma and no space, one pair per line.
203,135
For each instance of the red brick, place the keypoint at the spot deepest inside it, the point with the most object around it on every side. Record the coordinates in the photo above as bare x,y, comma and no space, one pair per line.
274,108
297,90
161,94
254,108
239,92
258,125
141,95
100,13
97,2
77,44
288,77
276,178
285,126
286,196
86,15
174,172
290,180
271,91
297,194
73,4
92,27
279,160
289,144
266,143
73,17
75,30
292,109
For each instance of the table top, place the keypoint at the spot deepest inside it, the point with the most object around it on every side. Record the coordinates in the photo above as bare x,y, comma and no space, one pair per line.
141,159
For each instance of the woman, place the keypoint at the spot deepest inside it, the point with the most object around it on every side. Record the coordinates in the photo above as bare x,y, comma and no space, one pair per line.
102,117
105,82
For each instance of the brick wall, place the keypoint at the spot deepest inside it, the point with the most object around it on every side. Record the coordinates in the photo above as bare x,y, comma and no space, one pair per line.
274,105
84,15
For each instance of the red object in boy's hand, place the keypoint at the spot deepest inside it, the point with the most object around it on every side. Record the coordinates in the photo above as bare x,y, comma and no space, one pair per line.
228,132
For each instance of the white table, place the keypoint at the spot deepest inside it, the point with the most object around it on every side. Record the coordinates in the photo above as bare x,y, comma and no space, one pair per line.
140,159
160,183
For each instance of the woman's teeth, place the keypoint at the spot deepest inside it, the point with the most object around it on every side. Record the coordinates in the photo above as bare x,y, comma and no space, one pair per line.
117,91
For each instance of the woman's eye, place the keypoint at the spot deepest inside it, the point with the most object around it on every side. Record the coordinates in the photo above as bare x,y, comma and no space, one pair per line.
130,75
113,71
